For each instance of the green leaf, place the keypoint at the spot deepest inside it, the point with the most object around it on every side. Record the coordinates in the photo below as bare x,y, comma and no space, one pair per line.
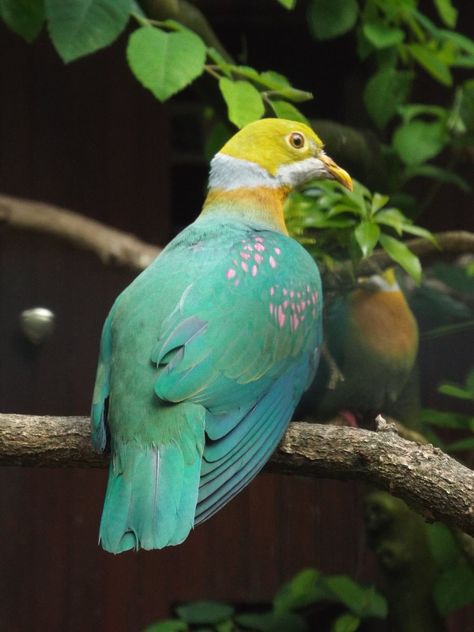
288,4
381,35
80,27
24,17
165,63
458,39
367,235
443,546
365,602
461,445
455,391
402,255
169,625
438,173
204,612
466,105
274,79
412,110
418,141
272,622
378,202
470,381
303,590
447,12
429,60
454,588
244,101
330,18
346,623
391,217
286,110
384,93
248,72
442,419
419,231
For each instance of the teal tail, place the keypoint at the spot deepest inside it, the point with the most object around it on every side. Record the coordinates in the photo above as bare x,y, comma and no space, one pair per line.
151,494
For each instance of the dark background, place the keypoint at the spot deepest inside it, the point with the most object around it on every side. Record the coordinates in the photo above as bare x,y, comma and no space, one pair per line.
88,137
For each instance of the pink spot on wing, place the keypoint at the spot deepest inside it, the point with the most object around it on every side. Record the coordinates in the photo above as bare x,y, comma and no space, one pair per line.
271,309
298,308
281,316
308,302
292,294
285,304
285,291
308,289
302,318
258,258
258,238
245,267
303,305
230,273
272,291
314,297
245,255
235,262
277,250
293,306
236,282
298,294
272,261
254,270
296,321
248,247
260,247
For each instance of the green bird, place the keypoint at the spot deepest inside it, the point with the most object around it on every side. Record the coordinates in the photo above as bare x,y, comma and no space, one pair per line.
372,337
205,355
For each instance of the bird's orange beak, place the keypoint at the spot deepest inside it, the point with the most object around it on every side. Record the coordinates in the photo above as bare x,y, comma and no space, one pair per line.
336,172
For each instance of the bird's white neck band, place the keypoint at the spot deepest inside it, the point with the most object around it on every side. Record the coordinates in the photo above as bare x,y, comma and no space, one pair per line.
229,173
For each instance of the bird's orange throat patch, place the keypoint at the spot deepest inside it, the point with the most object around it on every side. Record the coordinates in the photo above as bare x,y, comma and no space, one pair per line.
385,323
256,204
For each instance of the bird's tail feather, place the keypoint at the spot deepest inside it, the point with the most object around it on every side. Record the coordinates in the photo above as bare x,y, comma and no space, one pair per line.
151,494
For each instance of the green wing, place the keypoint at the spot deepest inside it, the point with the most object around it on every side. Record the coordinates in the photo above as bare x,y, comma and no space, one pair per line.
211,349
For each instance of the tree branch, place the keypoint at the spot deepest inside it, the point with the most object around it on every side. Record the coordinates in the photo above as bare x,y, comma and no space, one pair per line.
435,484
109,244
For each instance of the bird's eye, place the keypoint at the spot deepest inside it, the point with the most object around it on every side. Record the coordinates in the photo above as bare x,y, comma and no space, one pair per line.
296,140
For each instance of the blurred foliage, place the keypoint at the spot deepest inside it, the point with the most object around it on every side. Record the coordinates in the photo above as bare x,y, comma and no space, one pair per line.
454,583
435,420
290,608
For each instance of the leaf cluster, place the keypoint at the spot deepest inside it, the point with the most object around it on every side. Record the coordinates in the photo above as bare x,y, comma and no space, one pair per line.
356,221
287,614
453,586
400,42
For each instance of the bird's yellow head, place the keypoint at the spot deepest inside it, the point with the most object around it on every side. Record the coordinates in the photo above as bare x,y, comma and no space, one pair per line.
273,153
